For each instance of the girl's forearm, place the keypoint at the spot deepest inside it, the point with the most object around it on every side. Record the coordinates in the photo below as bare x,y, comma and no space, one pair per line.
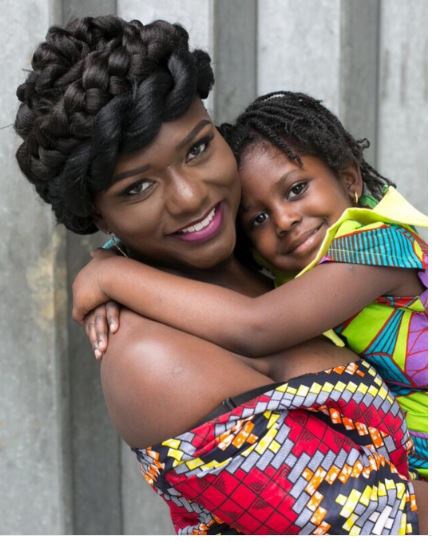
289,315
211,312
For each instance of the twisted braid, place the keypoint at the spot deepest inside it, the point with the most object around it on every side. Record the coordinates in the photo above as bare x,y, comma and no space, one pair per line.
298,124
99,87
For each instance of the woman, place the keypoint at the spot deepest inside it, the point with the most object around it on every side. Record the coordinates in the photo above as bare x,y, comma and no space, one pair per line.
116,138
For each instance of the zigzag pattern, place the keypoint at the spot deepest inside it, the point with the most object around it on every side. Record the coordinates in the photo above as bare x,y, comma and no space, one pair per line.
320,454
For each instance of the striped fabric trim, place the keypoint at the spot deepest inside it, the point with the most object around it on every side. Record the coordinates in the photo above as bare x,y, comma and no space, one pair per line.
386,246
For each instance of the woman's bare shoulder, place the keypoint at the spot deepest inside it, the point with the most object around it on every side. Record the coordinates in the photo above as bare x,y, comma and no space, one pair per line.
132,376
159,381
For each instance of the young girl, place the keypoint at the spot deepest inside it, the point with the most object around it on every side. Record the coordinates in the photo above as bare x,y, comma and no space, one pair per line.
308,198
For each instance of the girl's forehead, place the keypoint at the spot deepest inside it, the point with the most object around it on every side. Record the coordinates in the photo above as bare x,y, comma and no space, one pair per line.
263,157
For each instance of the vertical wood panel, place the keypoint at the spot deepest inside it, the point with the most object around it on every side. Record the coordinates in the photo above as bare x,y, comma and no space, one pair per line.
299,48
359,70
34,459
97,507
234,57
402,130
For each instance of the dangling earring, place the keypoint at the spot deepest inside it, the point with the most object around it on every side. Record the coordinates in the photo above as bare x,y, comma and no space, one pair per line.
114,242
117,242
356,198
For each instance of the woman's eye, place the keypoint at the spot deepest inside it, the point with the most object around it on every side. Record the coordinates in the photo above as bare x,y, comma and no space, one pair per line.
138,188
259,219
298,189
198,149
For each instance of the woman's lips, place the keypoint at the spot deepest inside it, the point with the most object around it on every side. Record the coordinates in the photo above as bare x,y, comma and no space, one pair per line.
205,229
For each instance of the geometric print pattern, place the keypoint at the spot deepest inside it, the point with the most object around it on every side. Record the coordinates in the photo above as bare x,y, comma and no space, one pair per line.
379,244
324,453
390,333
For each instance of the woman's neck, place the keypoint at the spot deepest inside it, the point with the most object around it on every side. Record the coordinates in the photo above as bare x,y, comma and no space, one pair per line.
233,275
230,273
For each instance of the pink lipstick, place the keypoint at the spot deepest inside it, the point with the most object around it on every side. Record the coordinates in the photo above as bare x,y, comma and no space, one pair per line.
204,229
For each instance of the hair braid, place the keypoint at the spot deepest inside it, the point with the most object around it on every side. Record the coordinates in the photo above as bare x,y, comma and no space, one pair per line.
298,124
100,86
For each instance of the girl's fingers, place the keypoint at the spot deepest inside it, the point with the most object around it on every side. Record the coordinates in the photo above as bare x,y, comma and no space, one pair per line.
101,325
113,315
90,329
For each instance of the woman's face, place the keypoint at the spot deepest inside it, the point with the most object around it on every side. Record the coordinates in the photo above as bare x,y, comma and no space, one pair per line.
174,202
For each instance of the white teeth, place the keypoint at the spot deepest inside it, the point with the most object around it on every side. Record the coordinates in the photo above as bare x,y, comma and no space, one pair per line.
201,225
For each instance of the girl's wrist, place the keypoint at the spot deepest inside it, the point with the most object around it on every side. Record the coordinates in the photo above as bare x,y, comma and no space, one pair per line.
108,274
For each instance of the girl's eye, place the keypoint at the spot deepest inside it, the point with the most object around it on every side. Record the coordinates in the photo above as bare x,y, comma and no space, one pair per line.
140,187
259,219
298,189
198,148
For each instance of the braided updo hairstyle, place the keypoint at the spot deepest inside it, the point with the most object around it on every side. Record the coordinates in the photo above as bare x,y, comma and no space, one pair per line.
100,87
297,124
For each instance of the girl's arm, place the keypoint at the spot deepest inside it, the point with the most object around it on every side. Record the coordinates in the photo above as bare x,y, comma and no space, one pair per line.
298,310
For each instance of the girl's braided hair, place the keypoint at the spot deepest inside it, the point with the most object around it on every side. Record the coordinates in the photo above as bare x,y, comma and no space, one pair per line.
99,87
298,124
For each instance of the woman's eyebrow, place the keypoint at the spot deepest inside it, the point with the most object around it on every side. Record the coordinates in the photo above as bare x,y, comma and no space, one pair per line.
185,141
189,138
129,173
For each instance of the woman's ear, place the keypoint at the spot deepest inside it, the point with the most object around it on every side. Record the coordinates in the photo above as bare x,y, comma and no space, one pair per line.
352,180
100,223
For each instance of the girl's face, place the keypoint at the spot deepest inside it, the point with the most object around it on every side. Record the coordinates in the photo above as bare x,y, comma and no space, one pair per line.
174,202
286,209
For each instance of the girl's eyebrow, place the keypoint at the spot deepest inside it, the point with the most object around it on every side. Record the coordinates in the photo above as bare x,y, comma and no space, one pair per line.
286,176
185,141
280,182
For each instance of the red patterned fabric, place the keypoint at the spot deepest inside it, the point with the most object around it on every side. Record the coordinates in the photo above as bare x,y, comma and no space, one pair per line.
324,453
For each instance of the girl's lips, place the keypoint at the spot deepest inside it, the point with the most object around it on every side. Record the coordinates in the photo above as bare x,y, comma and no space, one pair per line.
209,230
308,242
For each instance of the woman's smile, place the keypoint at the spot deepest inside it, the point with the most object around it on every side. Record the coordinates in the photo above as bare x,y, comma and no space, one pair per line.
204,229
174,202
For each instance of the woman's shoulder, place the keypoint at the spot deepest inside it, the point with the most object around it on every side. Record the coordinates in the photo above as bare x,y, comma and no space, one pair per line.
150,380
132,376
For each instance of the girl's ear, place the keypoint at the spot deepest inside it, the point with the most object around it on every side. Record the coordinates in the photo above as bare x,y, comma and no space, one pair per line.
353,181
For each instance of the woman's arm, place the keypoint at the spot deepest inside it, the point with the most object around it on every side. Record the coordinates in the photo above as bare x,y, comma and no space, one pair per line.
298,310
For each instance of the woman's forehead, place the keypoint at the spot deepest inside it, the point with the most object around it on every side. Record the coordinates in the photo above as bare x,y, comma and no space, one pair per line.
173,136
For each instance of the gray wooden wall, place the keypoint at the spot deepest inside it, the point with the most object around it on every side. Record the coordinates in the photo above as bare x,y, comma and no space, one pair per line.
63,470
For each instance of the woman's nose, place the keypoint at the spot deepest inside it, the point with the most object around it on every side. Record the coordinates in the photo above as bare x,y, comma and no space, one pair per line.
285,218
187,193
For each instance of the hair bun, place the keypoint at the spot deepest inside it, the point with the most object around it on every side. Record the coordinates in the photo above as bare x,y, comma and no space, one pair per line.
99,87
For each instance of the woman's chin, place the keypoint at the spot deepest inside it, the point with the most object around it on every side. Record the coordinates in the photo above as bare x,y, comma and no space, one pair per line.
214,255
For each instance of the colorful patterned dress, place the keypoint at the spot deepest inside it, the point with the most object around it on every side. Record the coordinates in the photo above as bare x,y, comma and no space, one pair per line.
324,453
390,333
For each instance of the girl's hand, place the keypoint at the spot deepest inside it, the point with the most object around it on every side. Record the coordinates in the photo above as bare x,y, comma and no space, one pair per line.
96,325
86,289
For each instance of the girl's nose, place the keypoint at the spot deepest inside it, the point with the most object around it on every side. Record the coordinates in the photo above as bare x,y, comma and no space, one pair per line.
285,219
187,194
